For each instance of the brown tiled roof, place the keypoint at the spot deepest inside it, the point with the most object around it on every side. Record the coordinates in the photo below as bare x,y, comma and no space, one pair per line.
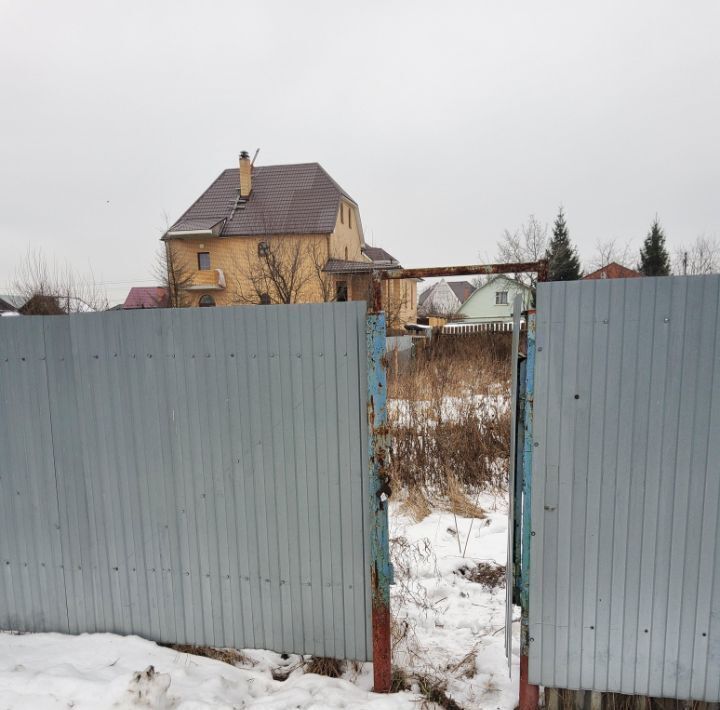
613,271
146,297
339,266
462,289
377,259
379,255
285,199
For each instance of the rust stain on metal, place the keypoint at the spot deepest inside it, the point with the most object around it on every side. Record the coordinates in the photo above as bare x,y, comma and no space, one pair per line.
539,267
380,567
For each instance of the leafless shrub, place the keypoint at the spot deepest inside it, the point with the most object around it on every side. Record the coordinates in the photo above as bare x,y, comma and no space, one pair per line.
406,558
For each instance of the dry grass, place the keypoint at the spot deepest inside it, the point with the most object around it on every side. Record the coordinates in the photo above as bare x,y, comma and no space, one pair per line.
231,656
489,574
329,667
459,503
431,687
449,423
415,505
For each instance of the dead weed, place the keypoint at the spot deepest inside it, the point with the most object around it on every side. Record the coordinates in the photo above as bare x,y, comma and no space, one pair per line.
489,574
231,656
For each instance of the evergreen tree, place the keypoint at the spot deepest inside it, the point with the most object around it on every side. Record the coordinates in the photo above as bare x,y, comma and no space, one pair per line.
563,261
654,257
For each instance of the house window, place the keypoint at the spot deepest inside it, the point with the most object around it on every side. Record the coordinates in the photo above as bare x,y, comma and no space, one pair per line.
206,301
346,253
341,291
342,213
501,298
203,260
350,217
263,249
264,299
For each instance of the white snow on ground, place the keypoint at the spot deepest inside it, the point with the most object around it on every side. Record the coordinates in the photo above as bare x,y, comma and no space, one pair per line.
455,626
454,632
451,408
99,671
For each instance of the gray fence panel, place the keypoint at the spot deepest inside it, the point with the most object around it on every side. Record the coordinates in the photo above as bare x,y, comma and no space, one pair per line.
625,573
32,569
194,476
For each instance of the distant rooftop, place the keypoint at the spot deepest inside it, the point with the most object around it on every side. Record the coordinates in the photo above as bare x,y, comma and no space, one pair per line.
146,297
613,270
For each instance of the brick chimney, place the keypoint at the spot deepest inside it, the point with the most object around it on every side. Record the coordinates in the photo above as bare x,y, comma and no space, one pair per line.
245,174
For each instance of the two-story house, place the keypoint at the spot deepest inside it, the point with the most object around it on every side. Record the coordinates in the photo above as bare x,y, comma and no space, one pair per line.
492,303
278,234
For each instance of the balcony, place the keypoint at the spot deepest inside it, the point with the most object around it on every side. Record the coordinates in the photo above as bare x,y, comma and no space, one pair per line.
207,280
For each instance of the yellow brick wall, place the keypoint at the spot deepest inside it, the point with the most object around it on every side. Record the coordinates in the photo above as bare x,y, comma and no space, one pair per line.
237,257
346,234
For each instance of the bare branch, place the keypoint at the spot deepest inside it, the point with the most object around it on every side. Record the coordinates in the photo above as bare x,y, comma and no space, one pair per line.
609,251
525,244
174,272
701,257
51,288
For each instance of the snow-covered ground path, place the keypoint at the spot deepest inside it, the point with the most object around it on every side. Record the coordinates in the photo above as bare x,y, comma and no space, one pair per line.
451,629
455,627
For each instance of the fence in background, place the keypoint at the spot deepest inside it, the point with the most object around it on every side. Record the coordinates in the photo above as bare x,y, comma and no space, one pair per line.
196,476
625,543
467,328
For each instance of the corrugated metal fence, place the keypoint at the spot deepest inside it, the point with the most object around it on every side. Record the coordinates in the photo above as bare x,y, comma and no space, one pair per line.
625,555
195,476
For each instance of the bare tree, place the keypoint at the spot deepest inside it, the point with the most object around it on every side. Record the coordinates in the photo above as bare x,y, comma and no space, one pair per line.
323,280
395,300
48,287
527,243
174,272
701,257
609,251
277,272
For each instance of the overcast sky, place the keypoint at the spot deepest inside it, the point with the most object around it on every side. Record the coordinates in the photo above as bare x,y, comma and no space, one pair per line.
447,121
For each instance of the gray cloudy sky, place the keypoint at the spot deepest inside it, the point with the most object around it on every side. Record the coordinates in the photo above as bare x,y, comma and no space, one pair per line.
447,122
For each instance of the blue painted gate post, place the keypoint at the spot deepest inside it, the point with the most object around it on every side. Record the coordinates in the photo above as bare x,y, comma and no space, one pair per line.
380,567
529,694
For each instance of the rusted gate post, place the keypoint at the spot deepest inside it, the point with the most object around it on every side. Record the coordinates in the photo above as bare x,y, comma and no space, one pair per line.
380,567
529,694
